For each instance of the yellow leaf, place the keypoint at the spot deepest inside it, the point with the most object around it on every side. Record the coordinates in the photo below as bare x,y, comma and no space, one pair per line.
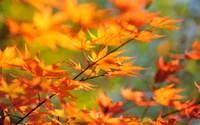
163,22
147,36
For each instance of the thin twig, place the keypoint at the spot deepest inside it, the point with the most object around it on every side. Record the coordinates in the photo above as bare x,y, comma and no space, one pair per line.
88,61
188,121
92,77
33,109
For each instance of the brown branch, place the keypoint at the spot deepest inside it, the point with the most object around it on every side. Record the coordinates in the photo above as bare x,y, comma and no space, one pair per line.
92,77
33,109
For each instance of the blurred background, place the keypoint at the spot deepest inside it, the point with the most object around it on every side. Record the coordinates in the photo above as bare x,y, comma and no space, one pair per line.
175,42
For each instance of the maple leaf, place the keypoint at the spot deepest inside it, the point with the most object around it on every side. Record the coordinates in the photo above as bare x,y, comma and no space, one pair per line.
137,96
172,79
192,111
137,17
103,60
127,5
81,42
166,69
113,64
163,22
108,36
166,95
91,15
8,58
58,113
183,105
13,90
147,36
194,54
37,68
107,106
161,121
125,69
62,86
196,45
45,31
133,11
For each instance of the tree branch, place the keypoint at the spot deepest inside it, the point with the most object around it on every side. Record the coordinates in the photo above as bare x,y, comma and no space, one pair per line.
33,109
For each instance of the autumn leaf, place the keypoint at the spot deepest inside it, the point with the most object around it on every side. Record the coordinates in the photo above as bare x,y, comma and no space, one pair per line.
196,45
137,96
107,106
125,69
147,36
13,90
127,5
163,22
167,95
91,14
179,105
81,42
8,58
192,111
161,121
194,54
166,68
104,60
62,86
108,36
37,68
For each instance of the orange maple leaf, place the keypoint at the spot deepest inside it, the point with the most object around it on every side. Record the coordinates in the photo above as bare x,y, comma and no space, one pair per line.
166,95
127,5
37,68
107,106
81,42
8,58
196,45
162,22
166,69
192,111
13,90
108,36
161,121
91,15
137,96
194,54
147,36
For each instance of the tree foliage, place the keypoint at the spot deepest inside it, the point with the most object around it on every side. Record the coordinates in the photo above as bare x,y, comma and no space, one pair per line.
99,34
